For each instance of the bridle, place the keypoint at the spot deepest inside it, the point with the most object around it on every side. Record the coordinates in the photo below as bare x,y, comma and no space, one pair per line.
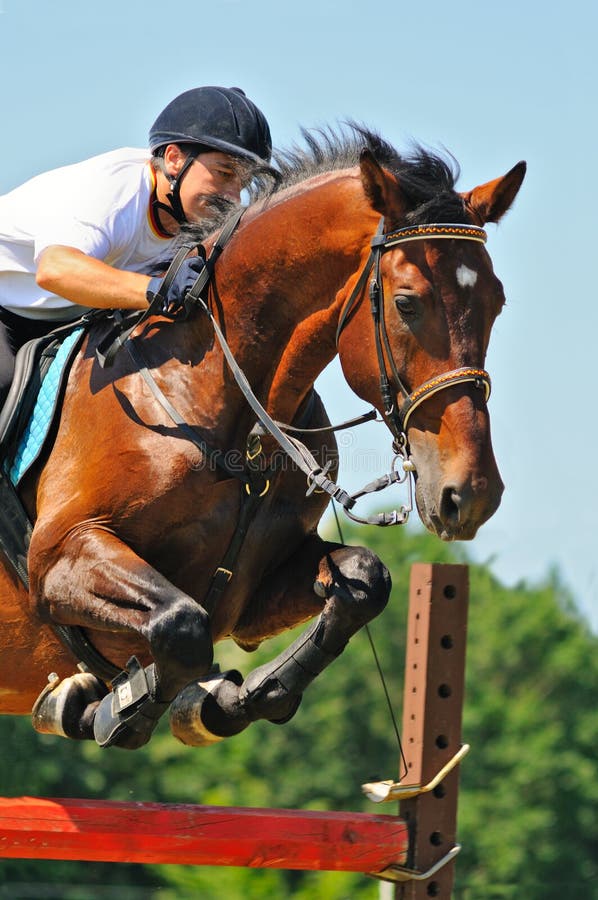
398,417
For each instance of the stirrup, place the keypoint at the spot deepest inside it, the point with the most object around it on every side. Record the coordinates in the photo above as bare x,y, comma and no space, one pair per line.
127,717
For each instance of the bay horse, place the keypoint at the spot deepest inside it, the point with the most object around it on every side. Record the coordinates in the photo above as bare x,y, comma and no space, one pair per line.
357,250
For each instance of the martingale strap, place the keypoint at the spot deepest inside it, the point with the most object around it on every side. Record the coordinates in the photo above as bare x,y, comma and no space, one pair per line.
217,458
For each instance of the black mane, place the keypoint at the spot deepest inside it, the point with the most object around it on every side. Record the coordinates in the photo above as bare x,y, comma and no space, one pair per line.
427,179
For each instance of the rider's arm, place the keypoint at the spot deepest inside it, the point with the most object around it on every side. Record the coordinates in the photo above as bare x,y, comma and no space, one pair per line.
87,281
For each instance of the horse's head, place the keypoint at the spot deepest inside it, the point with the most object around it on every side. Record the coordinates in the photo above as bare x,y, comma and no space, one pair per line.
438,301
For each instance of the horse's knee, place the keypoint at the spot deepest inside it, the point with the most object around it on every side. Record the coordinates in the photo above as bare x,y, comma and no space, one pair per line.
361,580
180,635
378,579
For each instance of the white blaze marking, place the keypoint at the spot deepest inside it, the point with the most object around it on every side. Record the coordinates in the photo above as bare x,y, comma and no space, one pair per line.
466,277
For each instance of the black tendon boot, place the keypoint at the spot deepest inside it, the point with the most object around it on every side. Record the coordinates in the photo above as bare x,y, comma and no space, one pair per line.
274,691
127,717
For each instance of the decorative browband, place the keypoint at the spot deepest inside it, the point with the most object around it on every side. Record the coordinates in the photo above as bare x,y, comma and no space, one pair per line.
424,232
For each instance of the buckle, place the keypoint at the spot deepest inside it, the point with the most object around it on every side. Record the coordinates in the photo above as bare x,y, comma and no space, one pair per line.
263,492
222,571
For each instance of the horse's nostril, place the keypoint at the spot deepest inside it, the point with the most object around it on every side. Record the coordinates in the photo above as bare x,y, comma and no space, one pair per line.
450,505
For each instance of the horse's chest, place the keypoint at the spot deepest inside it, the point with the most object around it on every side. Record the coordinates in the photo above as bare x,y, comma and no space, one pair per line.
201,528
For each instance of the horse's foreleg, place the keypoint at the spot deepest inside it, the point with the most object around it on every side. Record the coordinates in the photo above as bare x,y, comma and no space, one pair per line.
98,582
356,587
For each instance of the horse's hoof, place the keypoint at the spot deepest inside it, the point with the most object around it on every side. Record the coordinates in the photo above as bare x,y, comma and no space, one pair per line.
61,706
206,712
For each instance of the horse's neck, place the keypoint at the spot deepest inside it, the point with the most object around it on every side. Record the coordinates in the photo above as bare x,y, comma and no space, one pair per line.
287,277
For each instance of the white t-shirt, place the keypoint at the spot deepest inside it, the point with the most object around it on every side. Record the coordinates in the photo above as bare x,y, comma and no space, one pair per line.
100,206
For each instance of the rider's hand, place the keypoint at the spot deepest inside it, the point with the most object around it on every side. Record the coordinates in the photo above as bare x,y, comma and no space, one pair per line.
181,284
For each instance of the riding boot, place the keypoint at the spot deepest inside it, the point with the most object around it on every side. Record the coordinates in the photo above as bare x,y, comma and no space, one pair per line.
127,717
274,691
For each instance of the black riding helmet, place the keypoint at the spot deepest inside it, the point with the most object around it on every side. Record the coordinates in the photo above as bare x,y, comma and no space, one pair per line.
220,118
211,118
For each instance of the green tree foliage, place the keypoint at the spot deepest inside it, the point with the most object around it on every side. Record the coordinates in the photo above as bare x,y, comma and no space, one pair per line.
530,790
527,817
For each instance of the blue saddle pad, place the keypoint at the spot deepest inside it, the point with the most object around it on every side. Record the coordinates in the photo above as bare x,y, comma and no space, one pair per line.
36,431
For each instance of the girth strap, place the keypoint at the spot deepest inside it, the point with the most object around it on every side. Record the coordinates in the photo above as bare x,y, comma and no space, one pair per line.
16,529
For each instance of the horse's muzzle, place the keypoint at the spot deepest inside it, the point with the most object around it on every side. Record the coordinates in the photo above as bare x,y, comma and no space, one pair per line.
454,511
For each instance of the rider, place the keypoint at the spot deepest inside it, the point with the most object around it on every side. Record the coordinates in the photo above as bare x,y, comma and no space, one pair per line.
83,236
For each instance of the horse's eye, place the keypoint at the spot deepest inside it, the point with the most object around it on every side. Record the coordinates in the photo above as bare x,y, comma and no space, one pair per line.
406,304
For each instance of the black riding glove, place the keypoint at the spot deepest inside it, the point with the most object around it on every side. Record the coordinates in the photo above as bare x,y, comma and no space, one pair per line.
181,284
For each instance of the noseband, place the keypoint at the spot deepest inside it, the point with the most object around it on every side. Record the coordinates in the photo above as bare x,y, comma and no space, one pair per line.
398,418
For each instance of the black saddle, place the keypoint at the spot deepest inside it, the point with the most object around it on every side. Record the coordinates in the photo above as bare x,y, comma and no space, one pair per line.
31,366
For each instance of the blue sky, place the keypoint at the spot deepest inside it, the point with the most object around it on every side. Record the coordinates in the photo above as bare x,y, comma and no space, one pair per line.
492,83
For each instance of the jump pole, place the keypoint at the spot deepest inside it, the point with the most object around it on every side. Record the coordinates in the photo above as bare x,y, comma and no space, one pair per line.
108,831
415,848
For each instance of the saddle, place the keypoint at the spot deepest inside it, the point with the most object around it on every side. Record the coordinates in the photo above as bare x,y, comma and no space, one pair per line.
26,419
41,368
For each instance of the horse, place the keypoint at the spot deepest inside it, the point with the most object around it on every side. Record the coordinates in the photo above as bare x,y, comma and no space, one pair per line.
141,537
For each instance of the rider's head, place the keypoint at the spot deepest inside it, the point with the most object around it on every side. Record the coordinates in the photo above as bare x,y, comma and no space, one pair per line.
222,130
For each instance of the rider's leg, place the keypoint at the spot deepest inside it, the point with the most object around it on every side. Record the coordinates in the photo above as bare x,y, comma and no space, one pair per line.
15,331
7,360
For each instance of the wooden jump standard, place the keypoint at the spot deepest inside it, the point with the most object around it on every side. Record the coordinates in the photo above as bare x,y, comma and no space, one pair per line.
415,849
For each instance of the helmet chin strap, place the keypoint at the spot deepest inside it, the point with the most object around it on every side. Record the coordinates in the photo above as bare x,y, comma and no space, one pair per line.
174,207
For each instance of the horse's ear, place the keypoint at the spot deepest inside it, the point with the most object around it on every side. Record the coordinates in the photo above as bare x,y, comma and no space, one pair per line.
381,188
490,201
